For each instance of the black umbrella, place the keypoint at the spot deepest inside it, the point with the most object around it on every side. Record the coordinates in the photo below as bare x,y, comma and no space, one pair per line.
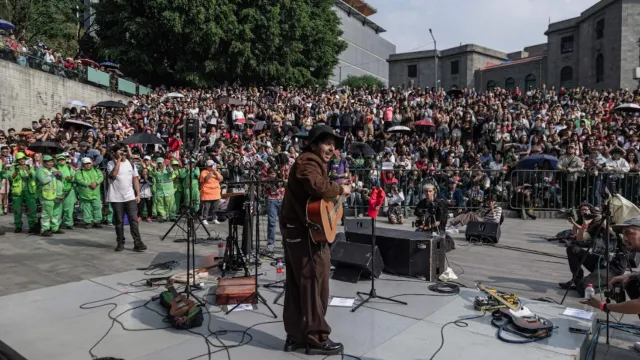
362,149
45,147
454,93
143,138
628,108
111,104
301,135
77,123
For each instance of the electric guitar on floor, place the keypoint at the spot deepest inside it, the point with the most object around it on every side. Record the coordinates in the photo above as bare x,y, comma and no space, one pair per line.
180,305
521,317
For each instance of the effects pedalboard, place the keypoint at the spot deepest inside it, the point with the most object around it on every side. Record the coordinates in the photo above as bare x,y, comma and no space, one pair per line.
489,303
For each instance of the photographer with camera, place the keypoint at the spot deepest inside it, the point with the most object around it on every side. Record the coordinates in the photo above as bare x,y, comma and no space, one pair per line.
123,194
630,231
431,212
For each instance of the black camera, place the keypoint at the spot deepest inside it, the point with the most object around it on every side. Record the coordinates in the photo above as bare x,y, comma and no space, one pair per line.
616,293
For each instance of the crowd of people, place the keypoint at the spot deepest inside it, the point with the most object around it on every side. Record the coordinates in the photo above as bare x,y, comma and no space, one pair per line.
463,142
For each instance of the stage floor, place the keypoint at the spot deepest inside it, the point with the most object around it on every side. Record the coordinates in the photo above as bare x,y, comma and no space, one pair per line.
48,324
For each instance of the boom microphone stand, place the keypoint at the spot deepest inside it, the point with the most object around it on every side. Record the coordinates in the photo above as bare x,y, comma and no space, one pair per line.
372,293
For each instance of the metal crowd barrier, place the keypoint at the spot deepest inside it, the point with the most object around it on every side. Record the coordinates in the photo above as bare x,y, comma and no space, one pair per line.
557,189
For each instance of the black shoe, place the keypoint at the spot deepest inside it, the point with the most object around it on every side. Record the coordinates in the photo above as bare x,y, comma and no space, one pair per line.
567,285
18,230
290,345
119,247
58,232
161,221
97,226
330,348
47,233
87,226
67,227
530,214
139,246
33,231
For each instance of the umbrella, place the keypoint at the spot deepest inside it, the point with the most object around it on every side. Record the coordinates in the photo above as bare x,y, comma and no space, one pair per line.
240,121
424,123
172,95
454,93
109,64
77,123
229,100
628,108
143,138
363,149
5,25
301,135
116,71
45,147
87,62
531,161
111,104
398,129
77,103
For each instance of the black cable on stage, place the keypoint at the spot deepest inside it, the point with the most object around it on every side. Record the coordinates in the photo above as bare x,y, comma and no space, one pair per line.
445,288
160,268
459,323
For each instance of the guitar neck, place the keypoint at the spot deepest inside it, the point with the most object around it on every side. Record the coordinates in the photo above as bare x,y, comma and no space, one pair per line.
173,291
501,300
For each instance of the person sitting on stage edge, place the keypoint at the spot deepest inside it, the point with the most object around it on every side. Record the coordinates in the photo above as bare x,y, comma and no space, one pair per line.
308,263
490,212
591,235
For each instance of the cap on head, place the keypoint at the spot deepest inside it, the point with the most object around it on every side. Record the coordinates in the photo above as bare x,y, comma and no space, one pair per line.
85,161
47,158
84,143
20,156
175,162
159,160
147,157
634,221
210,162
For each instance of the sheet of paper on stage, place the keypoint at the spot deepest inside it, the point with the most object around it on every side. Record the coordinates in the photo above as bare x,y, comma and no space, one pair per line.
341,302
580,314
242,307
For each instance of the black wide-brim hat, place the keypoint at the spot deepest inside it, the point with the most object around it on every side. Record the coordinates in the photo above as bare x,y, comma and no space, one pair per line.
317,131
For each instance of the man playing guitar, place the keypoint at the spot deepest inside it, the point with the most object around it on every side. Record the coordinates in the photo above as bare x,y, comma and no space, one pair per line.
308,263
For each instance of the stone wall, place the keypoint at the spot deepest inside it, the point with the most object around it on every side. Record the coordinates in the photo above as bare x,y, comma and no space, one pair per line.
517,71
630,53
27,94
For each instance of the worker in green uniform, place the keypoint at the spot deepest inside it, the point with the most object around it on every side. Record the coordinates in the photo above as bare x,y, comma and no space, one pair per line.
163,177
192,186
50,193
24,192
89,179
67,177
177,187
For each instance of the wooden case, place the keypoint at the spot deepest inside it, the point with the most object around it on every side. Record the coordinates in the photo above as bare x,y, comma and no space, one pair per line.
232,291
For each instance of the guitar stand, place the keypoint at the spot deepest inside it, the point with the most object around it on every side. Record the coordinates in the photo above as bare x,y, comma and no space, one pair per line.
372,293
277,285
256,292
186,212
233,259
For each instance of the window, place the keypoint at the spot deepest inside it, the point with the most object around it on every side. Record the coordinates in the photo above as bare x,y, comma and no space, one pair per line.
599,68
491,85
530,82
413,71
600,29
566,77
510,84
566,44
455,67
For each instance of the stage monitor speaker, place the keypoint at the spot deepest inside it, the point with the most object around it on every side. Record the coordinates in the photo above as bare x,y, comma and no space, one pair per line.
407,253
483,231
363,224
353,260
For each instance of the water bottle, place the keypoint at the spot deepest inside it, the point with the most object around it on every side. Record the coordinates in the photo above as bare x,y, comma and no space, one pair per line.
279,270
220,249
589,292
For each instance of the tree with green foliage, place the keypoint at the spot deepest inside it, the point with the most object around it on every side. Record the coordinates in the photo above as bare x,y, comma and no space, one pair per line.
207,42
57,23
366,81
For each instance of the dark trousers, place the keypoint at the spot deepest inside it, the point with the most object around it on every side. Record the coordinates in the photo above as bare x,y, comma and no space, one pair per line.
148,203
306,290
570,194
598,273
131,209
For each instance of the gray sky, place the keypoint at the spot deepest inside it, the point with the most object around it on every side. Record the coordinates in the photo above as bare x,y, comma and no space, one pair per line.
504,25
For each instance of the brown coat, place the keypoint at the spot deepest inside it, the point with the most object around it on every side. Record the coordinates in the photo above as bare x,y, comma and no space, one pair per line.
308,179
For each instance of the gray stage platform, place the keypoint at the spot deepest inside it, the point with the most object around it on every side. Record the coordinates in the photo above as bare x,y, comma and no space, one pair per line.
48,324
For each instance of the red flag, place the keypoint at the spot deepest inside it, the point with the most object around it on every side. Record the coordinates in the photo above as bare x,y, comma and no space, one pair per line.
375,201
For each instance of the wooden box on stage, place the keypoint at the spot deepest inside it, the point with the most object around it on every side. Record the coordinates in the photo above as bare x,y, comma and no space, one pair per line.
232,291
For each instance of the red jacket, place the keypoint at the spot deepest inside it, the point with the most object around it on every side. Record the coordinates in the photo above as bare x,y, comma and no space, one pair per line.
375,201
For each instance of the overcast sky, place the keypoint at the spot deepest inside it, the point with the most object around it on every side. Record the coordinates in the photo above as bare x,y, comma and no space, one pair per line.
504,25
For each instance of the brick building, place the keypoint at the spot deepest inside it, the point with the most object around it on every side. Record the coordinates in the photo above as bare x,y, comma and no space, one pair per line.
598,49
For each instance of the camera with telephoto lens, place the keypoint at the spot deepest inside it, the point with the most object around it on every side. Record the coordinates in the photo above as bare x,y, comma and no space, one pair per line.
616,293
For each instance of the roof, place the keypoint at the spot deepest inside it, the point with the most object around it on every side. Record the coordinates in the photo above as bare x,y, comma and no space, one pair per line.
362,7
512,62
351,11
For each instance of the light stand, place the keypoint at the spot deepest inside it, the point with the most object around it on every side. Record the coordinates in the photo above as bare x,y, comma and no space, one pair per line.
256,293
372,293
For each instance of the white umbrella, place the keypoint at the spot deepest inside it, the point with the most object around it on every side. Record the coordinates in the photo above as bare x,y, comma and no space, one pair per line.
630,108
398,129
77,103
172,95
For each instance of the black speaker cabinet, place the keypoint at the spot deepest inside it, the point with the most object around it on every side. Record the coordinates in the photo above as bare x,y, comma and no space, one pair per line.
353,260
406,253
483,231
363,224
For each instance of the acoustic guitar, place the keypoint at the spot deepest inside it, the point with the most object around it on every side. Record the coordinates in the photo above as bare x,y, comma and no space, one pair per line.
323,216
180,305
521,317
